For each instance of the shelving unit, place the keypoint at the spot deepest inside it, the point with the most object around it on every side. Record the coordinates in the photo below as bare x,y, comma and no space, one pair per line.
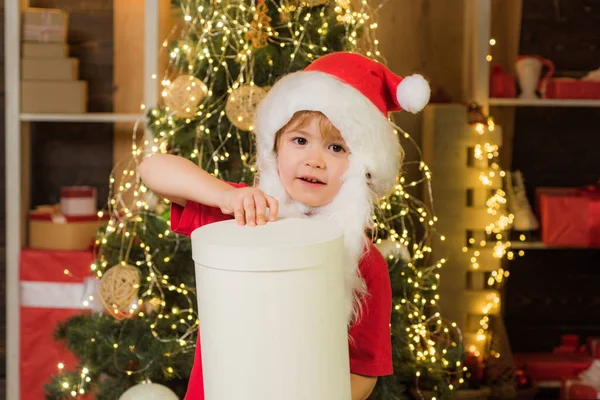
543,102
87,117
16,146
516,245
446,160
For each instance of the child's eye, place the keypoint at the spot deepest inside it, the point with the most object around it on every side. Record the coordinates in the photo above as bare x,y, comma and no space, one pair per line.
337,148
300,140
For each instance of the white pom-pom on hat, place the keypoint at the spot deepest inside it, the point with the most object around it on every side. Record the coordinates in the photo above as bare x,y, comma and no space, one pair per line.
413,93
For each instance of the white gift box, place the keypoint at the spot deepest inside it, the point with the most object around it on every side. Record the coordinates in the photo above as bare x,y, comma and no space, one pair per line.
78,201
271,310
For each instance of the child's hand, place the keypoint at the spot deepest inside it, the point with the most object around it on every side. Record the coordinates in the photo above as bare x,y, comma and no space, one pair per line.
249,206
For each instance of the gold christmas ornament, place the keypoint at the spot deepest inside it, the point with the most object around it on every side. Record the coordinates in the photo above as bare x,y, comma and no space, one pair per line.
119,288
241,106
260,27
184,94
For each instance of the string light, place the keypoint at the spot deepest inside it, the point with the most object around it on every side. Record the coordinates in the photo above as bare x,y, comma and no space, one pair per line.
496,206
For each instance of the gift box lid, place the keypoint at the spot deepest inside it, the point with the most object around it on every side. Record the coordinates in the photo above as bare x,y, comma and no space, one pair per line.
47,214
78,191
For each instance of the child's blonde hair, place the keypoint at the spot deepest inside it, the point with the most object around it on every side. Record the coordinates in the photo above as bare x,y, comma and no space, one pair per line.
300,119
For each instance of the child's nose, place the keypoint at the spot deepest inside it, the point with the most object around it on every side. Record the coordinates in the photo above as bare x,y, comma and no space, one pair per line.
315,158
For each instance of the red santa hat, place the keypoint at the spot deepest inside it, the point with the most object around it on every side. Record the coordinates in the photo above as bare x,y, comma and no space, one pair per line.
356,94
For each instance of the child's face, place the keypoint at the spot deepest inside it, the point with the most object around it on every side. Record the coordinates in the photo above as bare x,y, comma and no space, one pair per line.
311,165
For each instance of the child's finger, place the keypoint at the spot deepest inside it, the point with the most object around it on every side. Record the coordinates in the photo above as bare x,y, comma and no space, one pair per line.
273,207
249,210
239,213
261,208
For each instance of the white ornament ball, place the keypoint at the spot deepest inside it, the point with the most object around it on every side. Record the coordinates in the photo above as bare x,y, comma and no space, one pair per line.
388,247
242,104
184,94
148,391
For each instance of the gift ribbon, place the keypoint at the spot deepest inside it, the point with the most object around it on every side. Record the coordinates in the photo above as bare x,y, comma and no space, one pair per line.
61,295
43,31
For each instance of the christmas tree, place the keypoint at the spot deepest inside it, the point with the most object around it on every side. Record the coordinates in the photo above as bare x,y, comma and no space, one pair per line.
228,54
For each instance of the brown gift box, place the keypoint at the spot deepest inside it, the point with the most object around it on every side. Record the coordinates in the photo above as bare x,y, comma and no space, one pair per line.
49,230
44,25
50,69
54,96
44,50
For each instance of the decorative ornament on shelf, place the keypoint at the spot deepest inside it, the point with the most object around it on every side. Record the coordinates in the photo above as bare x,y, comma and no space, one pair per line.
184,94
260,27
149,391
119,288
241,106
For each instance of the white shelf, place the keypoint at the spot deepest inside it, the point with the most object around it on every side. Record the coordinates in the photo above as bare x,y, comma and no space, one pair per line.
86,117
516,245
543,102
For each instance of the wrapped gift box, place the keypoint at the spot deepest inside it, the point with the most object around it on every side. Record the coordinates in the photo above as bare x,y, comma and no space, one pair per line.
54,96
44,50
45,25
564,88
552,367
54,286
570,217
573,389
50,69
78,201
502,84
49,230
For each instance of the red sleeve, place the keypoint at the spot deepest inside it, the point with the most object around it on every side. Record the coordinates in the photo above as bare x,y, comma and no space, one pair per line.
185,220
370,341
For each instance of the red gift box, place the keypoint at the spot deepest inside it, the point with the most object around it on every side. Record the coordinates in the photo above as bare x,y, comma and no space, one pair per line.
78,201
502,84
573,389
572,89
570,217
54,286
552,367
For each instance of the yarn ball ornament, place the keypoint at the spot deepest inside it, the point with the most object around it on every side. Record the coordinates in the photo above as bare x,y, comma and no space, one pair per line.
119,288
148,391
242,104
184,94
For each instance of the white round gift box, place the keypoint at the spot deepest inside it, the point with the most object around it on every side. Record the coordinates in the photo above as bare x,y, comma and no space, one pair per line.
271,310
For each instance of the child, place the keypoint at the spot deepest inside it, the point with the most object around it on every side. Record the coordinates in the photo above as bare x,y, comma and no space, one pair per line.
325,150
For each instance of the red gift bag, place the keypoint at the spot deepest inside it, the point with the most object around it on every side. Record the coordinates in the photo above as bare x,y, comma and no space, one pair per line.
54,286
570,217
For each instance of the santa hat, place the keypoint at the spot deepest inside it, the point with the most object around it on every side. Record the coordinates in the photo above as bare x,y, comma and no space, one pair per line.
356,94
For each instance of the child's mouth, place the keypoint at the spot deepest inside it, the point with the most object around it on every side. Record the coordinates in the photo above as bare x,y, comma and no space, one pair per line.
311,181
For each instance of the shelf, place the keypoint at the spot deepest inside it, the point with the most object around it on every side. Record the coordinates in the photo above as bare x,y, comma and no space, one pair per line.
543,102
516,245
86,117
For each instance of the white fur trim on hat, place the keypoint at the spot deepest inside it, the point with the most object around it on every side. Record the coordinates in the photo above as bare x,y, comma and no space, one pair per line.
413,93
367,132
